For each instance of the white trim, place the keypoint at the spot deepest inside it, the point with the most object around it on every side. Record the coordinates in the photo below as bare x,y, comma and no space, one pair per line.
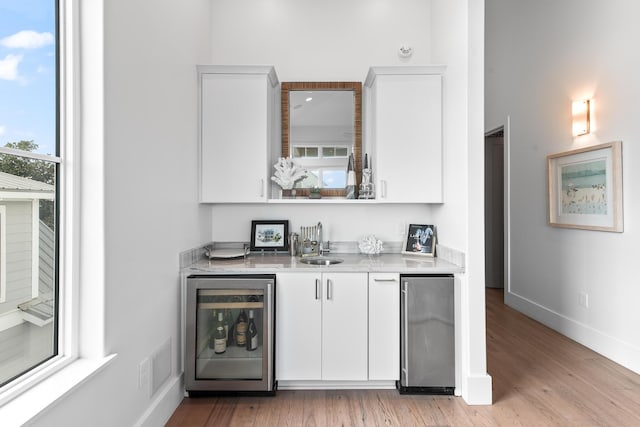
478,390
3,254
32,390
163,406
621,352
32,402
35,248
336,385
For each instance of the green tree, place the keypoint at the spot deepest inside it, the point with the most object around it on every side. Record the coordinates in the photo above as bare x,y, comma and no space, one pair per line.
37,170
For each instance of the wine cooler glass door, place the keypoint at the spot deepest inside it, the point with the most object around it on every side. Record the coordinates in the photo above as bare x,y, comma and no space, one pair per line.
231,336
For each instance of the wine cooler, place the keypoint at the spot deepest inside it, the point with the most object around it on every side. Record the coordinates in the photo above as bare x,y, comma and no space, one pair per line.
229,337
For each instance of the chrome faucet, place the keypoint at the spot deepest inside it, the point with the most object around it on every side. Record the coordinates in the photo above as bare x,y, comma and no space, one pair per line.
323,247
319,239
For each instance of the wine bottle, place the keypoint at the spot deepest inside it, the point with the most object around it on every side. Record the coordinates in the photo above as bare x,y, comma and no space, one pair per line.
252,333
241,329
211,327
228,324
219,336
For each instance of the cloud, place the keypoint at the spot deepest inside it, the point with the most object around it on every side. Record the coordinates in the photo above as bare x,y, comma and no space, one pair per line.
27,40
3,130
9,67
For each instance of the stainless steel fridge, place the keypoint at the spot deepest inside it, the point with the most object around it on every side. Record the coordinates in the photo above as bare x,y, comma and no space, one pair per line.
427,335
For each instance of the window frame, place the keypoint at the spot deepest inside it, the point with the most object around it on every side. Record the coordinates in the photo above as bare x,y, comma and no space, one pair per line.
65,337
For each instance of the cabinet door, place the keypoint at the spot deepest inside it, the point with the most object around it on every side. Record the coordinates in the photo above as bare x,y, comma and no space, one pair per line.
344,326
384,326
298,326
234,137
408,138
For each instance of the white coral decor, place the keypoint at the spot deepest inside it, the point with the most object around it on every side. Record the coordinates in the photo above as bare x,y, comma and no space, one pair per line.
287,173
370,245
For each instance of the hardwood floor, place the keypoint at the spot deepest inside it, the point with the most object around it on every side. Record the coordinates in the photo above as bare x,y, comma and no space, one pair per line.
540,378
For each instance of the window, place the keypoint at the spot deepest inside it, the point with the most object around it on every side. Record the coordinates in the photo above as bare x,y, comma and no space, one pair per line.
29,193
326,165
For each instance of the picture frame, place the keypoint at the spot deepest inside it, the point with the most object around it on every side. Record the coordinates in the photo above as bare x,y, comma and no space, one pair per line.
421,240
269,235
585,188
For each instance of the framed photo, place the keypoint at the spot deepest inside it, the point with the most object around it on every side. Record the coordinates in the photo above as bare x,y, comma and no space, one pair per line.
585,188
270,235
421,240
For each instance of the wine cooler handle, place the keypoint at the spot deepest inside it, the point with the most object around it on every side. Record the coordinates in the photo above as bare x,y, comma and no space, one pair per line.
329,286
405,321
317,289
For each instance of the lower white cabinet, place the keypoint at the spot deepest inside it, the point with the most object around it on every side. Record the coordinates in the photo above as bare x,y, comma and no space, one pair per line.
384,326
321,326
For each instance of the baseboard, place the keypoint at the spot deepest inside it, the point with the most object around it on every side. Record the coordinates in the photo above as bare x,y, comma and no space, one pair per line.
610,347
335,385
164,404
477,390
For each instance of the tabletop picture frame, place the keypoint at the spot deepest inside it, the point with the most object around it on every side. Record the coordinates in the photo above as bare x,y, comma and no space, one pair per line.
420,240
585,188
269,235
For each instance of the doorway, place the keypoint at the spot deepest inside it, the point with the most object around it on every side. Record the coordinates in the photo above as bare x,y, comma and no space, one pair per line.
494,208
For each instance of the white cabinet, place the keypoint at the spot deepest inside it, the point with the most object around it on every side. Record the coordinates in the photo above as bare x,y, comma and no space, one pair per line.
403,132
321,326
384,326
238,117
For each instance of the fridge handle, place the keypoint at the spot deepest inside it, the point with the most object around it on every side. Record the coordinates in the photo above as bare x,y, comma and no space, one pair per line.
405,322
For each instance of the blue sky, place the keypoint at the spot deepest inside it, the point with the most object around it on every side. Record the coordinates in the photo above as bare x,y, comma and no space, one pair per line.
27,72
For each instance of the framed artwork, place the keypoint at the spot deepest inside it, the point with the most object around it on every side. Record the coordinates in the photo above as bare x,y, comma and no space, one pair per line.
270,235
585,188
421,240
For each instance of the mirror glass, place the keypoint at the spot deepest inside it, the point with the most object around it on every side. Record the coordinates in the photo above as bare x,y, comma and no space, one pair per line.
321,126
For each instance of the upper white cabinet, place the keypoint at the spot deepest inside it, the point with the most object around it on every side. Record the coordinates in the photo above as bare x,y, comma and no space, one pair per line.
238,116
403,132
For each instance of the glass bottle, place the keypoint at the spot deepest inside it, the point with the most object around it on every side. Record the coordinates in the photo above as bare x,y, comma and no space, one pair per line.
252,333
211,327
219,336
228,323
241,329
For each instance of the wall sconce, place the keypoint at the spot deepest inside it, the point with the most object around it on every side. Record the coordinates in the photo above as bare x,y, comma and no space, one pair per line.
581,114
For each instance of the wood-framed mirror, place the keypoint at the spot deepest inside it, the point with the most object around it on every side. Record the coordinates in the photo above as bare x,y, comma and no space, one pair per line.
321,126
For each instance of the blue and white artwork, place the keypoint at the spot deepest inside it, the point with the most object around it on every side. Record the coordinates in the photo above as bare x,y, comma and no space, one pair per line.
584,187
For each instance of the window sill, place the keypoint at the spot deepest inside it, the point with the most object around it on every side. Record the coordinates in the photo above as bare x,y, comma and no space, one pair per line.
30,404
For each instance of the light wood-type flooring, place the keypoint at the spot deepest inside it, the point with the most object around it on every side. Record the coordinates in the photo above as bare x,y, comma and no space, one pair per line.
540,378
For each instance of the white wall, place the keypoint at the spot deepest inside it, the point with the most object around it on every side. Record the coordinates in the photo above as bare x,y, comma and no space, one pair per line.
541,55
319,41
150,204
337,40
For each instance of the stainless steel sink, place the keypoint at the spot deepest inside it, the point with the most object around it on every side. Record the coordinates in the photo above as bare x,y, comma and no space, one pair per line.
321,260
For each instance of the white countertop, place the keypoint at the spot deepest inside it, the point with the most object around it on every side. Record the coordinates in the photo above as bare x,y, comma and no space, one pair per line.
270,263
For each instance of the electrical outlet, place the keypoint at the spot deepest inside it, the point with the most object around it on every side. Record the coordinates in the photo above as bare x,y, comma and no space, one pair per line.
144,370
583,299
